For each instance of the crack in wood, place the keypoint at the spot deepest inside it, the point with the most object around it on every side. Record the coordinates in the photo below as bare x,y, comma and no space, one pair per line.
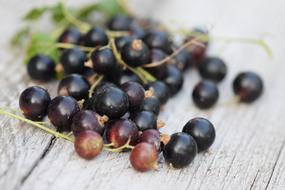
44,153
254,180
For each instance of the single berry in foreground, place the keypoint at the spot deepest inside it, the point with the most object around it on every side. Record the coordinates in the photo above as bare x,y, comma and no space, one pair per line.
135,94
73,61
103,61
112,102
61,111
180,150
145,120
205,94
120,131
42,68
248,86
34,103
74,85
144,157
86,120
213,68
88,144
202,130
135,53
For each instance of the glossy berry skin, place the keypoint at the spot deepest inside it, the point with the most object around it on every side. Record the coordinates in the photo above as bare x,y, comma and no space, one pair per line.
213,68
85,120
137,31
174,79
180,150
75,86
71,35
112,102
135,53
145,120
159,71
160,90
103,61
42,68
205,94
144,157
127,76
122,41
120,23
120,131
88,144
61,111
34,102
151,136
151,104
158,40
184,60
73,61
248,86
203,132
135,93
95,37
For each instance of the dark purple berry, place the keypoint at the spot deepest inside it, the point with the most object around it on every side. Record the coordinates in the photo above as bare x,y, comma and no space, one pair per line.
202,130
137,31
120,23
121,41
183,60
151,136
73,60
159,40
103,61
248,86
160,90
112,102
174,79
180,151
74,85
135,53
71,36
158,71
95,37
42,68
213,68
145,120
85,120
151,104
61,111
135,93
34,102
127,76
205,94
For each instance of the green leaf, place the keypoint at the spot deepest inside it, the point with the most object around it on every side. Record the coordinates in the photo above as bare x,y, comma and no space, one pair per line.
35,13
109,7
57,13
85,11
42,44
20,36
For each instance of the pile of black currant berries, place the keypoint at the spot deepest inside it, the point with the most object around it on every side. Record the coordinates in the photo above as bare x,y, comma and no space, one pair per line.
117,78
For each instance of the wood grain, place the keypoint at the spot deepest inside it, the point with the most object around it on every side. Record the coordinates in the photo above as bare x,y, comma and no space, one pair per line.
249,149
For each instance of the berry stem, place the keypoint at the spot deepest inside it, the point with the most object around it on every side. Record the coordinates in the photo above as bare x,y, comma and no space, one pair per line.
69,46
92,88
114,34
121,148
36,124
175,53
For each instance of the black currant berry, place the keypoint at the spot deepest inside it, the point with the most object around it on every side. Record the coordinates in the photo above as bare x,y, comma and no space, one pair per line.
159,40
73,61
75,86
41,67
151,104
174,79
159,71
151,136
71,36
160,90
127,76
95,37
135,93
202,130
248,86
120,23
122,41
180,150
120,131
135,53
61,111
34,103
103,61
86,120
213,68
137,31
145,120
183,60
205,94
111,101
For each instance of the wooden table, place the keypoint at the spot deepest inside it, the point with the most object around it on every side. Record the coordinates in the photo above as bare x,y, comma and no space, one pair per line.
249,149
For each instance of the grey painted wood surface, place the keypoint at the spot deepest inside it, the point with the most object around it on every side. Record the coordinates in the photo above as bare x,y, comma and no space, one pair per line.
249,149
